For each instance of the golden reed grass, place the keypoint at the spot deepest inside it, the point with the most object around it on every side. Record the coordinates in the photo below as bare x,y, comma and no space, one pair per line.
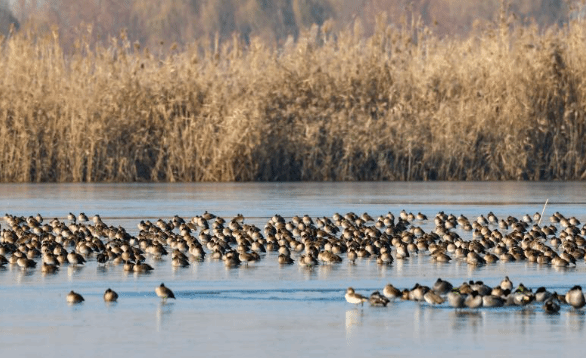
507,102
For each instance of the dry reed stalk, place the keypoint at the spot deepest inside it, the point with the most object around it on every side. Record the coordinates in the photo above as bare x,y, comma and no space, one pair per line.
506,103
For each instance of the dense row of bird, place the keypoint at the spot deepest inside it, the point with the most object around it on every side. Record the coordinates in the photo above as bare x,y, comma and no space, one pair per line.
303,239
473,295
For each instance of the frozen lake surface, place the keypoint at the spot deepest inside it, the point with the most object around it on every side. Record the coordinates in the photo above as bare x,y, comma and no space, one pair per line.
266,309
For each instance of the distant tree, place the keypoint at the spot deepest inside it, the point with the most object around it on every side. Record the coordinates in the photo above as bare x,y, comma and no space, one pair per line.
183,21
7,19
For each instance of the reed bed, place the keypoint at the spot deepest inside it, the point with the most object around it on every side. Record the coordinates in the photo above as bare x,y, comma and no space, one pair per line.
506,103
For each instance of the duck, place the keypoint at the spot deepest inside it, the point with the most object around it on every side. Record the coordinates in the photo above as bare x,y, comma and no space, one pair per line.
74,297
75,259
142,267
128,266
353,297
247,257
307,260
26,263
480,287
110,296
49,268
231,259
164,292
492,301
417,292
523,298
352,256
378,300
575,297
474,259
474,300
442,287
498,291
441,257
285,259
456,299
102,258
542,295
179,262
391,291
384,259
551,306
433,298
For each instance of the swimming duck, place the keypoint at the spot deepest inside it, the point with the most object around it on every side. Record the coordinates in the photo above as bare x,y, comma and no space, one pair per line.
73,297
110,296
575,297
164,292
353,297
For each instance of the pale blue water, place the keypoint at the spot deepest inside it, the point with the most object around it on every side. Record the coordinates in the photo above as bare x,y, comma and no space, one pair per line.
266,309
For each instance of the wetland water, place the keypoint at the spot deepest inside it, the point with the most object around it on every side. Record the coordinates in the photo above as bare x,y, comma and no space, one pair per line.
266,309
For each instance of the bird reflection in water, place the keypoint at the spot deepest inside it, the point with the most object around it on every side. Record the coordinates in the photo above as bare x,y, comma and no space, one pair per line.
399,265
525,322
575,319
354,318
309,272
324,271
164,311
466,320
73,270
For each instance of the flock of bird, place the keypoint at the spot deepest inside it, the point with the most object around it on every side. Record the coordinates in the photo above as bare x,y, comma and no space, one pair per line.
473,295
305,240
